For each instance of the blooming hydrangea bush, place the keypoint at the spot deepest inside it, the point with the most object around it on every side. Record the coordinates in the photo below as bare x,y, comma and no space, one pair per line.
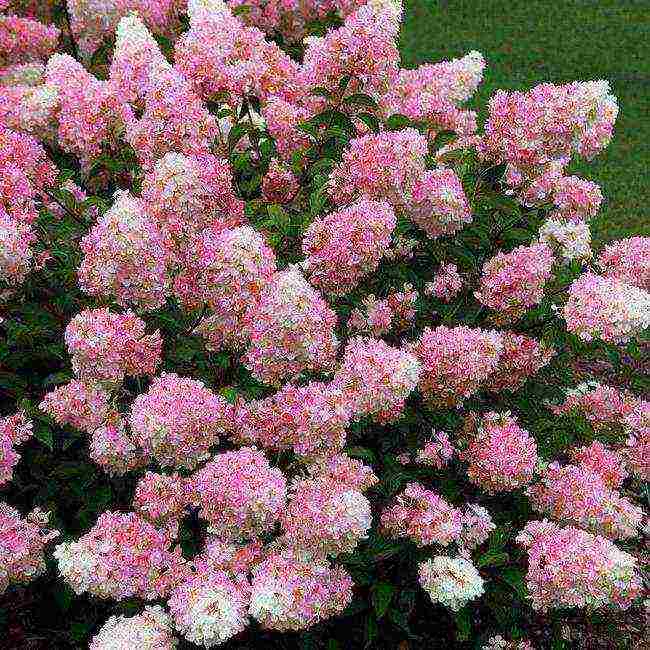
294,345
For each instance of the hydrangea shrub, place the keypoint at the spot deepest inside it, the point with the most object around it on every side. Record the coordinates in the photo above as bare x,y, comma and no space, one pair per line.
296,349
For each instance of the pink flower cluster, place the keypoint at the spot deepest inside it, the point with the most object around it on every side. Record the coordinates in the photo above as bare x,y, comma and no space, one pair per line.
178,420
24,40
501,456
125,257
22,545
105,346
290,593
239,494
122,556
437,451
521,358
528,131
376,378
112,448
514,282
345,246
310,419
568,567
423,516
456,361
291,329
576,495
379,317
627,260
606,308
446,283
14,430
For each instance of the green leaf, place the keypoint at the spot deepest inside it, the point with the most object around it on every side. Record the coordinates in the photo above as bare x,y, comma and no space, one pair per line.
397,122
362,452
370,121
515,578
382,594
372,629
45,436
492,558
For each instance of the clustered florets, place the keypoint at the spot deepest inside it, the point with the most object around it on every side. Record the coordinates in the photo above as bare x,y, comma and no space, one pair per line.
183,235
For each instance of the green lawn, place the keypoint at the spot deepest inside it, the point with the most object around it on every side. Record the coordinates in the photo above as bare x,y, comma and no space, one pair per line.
526,42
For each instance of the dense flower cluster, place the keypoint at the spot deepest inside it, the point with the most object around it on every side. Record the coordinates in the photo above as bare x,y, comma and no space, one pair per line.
22,545
452,582
456,361
122,556
606,308
150,630
501,456
277,279
345,246
568,567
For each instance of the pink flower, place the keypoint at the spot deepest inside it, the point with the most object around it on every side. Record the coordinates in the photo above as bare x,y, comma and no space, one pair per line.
501,456
150,630
14,430
627,260
345,246
568,567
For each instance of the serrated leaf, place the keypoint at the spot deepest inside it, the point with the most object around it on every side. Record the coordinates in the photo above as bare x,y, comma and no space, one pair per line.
515,578
361,99
45,436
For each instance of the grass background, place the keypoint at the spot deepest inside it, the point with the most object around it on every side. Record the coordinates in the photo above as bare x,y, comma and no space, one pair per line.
526,42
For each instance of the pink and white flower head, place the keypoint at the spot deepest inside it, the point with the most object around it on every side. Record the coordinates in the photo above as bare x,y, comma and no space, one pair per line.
571,240
501,456
637,449
94,20
477,526
527,131
345,246
125,257
137,59
601,460
433,93
422,516
150,630
606,308
438,203
79,405
627,260
324,517
568,567
364,47
279,184
446,283
178,420
24,40
376,378
226,270
291,593
455,361
14,430
160,498
186,195
437,451
291,330
604,407
239,493
174,119
522,358
106,346
499,643
382,167
91,115
452,582
346,472
113,449
576,495
121,556
310,419
514,282
16,255
395,312
22,545
210,607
